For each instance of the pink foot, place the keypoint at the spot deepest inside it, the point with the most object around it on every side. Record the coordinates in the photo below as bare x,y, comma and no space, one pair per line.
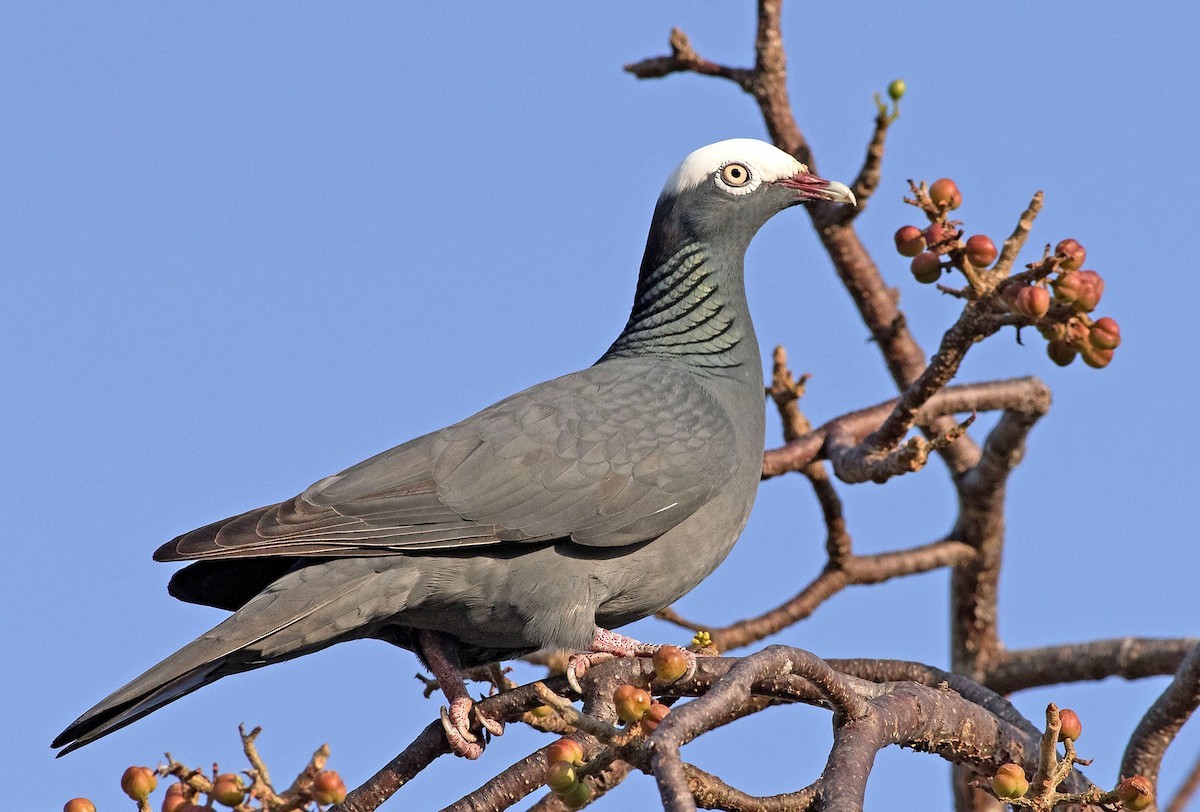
608,644
457,721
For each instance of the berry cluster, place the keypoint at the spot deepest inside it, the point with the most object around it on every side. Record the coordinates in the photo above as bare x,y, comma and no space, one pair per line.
634,706
1056,294
226,789
562,759
1011,784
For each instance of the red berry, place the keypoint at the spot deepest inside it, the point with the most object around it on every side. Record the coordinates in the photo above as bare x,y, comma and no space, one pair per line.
1080,289
175,803
631,702
670,663
1135,793
981,250
138,782
1071,728
564,749
655,714
927,268
560,777
228,789
1010,781
1105,334
910,241
1061,352
944,192
328,787
1030,301
1095,358
938,237
79,805
1072,253
578,796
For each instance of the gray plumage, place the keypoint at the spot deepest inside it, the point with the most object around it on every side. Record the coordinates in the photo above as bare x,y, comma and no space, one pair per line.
594,499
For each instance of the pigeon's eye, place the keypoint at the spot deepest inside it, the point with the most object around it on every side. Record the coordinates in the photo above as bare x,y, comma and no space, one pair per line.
735,174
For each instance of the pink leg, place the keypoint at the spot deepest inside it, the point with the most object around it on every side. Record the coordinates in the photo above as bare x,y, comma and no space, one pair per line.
456,721
608,644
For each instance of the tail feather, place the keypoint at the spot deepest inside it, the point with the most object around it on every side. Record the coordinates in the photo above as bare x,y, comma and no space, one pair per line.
264,631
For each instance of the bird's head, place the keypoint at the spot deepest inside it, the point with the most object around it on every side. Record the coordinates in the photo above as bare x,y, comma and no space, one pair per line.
735,186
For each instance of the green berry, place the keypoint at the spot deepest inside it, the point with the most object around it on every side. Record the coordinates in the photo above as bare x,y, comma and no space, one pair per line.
578,796
560,777
896,89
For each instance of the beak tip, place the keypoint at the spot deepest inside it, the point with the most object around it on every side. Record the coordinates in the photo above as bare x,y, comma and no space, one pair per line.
840,193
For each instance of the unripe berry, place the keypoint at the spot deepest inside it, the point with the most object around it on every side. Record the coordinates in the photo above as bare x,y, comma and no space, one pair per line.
79,805
1071,728
1030,301
896,89
567,750
655,714
944,192
670,663
560,777
1061,352
909,241
1105,334
1010,781
631,702
1073,255
542,711
328,787
927,268
228,789
578,796
138,782
981,250
1135,793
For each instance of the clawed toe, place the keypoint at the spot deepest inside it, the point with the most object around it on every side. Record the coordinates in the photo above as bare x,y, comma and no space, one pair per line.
461,740
578,665
493,726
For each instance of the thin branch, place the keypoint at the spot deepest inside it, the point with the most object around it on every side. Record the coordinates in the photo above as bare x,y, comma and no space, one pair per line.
1126,657
684,59
710,792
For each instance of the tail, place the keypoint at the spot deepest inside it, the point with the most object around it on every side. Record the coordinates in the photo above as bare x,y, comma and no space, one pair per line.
290,618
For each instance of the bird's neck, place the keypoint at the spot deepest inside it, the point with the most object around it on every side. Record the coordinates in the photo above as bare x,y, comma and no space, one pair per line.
690,307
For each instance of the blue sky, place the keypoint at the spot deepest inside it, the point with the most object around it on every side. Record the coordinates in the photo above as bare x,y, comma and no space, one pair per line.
247,245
